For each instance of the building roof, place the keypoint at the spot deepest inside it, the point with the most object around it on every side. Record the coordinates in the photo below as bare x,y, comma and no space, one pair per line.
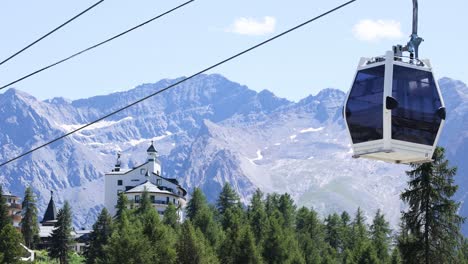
151,149
7,193
50,213
173,180
45,231
148,186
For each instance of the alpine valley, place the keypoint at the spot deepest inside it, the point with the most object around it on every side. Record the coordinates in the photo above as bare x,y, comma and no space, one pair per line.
210,131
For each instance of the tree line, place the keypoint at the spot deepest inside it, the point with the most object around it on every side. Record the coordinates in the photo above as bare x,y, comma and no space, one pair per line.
272,229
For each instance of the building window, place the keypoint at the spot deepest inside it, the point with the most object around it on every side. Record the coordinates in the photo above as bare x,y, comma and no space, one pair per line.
167,200
137,198
135,180
173,200
153,198
158,182
119,182
128,188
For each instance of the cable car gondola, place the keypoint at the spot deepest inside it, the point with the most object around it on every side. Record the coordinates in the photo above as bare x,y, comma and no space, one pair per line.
394,110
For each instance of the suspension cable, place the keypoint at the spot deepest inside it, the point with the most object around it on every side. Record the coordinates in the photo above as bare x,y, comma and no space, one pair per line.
95,46
178,82
50,33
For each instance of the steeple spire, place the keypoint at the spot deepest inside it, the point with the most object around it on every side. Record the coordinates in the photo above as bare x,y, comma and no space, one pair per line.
50,213
152,152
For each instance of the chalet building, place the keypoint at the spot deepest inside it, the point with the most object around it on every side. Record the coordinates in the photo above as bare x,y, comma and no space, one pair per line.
145,177
14,208
47,226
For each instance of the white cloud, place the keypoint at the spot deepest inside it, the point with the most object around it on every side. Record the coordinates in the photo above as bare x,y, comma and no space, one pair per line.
375,30
252,26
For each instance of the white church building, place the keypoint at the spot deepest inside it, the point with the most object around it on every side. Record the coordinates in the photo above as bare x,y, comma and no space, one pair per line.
147,176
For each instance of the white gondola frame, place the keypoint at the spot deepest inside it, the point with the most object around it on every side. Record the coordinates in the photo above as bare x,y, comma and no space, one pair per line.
388,149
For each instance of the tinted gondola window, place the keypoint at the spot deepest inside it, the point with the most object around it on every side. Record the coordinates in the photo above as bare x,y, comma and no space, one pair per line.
415,119
364,109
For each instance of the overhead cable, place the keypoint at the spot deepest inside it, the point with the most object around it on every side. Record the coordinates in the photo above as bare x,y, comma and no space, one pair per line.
48,34
178,82
95,46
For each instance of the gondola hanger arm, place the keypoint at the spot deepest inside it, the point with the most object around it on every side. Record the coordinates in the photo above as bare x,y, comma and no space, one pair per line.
413,44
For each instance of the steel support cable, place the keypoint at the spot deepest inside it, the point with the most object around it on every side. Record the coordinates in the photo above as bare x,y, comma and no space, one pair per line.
178,82
96,45
51,32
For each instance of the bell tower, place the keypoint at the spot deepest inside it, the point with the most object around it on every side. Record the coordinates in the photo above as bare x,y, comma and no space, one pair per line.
153,161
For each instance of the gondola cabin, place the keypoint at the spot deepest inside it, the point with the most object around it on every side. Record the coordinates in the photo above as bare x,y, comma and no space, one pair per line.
394,111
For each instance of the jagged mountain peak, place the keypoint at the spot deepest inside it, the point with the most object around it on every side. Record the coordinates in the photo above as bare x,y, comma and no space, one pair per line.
269,101
15,95
58,101
330,93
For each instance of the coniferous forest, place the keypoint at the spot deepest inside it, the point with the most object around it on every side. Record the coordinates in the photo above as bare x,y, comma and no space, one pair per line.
271,229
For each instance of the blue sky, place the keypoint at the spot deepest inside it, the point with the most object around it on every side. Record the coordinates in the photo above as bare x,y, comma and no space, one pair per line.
320,55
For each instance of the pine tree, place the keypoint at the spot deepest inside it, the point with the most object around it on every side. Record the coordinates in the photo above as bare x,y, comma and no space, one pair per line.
272,203
230,248
232,218
29,224
368,255
247,251
462,256
310,233
122,205
171,216
287,209
257,216
145,203
205,221
228,198
346,231
192,247
100,236
280,244
380,236
395,258
61,238
431,224
161,238
10,247
196,203
4,218
332,232
359,231
127,243
202,217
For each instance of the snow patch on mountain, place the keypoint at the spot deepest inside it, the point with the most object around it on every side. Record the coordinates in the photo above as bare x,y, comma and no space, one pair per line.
259,157
100,124
135,142
311,129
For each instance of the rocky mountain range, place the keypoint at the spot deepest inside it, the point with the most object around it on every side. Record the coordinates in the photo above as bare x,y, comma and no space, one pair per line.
209,131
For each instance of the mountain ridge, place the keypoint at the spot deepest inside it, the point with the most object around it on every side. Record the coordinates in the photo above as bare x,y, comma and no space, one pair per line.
209,131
